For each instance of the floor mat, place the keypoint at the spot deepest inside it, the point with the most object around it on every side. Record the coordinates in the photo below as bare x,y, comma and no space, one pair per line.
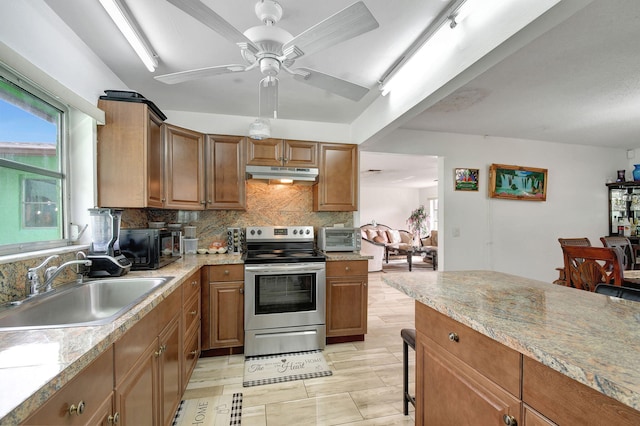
263,370
221,410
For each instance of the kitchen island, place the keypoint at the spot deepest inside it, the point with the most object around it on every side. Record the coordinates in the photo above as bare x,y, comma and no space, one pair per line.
574,350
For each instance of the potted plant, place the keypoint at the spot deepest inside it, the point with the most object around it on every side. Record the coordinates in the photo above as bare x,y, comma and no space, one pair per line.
418,223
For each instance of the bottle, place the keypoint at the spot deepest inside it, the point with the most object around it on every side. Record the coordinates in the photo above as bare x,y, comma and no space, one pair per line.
620,226
627,228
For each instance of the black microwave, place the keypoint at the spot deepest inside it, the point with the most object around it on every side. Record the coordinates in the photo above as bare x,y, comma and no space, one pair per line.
150,248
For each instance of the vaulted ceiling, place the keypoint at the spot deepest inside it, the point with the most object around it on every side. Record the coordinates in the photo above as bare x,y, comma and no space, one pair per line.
577,83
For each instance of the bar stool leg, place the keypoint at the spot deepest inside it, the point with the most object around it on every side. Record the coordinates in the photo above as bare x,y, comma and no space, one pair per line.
405,367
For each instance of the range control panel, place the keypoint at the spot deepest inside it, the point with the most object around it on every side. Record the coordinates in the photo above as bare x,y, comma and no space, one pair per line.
279,233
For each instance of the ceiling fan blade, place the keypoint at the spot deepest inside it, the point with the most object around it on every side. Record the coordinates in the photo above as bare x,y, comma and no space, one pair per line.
348,23
268,94
331,84
179,77
211,19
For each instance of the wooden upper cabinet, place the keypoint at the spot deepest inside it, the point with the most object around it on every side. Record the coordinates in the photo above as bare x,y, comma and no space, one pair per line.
278,152
184,168
129,156
337,188
225,170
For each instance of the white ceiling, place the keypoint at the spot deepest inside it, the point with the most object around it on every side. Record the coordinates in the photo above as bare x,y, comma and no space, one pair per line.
578,83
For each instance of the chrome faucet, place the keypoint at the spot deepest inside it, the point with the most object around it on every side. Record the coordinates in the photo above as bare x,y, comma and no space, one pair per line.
33,278
52,272
34,285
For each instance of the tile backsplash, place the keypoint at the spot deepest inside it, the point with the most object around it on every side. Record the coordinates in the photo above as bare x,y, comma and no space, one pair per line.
266,205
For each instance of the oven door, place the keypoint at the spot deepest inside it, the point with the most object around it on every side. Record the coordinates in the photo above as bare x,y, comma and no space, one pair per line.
284,295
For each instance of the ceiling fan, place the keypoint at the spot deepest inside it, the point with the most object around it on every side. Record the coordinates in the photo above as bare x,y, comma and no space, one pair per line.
273,49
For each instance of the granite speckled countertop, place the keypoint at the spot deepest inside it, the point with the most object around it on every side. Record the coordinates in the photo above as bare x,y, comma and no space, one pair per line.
345,255
591,338
36,363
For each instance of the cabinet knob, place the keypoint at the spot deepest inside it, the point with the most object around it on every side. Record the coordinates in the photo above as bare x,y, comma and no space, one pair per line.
509,420
203,202
194,353
77,409
194,283
194,313
241,290
454,337
114,419
226,272
209,201
346,268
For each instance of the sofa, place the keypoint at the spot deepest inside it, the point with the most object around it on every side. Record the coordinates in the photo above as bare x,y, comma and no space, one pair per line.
381,241
429,249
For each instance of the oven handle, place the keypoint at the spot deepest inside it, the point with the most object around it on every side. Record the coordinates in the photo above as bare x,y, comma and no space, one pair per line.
286,267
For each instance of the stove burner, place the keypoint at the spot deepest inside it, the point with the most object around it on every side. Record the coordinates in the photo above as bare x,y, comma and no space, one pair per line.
267,255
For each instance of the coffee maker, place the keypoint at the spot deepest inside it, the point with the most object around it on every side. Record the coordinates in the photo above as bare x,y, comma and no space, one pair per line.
104,252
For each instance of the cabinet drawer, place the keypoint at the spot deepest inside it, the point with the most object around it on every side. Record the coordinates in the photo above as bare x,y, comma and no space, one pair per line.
344,268
191,312
492,359
191,355
565,401
234,272
191,286
93,386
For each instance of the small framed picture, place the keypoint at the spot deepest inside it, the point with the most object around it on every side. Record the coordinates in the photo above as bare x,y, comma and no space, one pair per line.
466,179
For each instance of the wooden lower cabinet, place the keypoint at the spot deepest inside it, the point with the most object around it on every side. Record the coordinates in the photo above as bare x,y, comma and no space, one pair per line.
223,307
92,388
190,326
347,299
465,377
148,385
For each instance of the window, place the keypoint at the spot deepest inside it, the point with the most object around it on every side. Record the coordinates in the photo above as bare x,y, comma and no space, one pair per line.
32,162
433,213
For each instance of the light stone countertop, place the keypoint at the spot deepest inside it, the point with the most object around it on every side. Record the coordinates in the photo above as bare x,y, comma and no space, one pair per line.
36,363
591,338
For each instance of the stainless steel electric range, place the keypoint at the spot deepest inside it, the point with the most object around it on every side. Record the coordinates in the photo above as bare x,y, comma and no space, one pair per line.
284,291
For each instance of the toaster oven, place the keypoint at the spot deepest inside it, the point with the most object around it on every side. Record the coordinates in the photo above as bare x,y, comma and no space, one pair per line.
339,239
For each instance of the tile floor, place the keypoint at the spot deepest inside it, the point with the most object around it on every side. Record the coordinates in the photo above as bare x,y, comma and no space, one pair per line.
365,388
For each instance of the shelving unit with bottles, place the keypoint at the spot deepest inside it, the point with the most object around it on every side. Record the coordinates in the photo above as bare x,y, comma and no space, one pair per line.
624,204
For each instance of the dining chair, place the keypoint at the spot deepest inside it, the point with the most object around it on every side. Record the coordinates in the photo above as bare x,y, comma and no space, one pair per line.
581,242
628,250
586,267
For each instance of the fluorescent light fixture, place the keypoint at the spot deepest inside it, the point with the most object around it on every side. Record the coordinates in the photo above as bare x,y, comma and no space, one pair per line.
452,16
128,26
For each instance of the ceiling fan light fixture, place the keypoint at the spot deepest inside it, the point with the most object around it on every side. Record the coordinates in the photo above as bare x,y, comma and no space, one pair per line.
260,129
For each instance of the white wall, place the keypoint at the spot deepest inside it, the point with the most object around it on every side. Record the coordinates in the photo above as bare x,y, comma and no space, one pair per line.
388,206
518,237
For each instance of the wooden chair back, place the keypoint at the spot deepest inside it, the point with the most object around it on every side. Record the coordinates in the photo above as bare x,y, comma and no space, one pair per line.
586,267
582,242
627,249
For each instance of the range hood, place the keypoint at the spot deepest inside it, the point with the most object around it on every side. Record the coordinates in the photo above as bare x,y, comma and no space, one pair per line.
283,174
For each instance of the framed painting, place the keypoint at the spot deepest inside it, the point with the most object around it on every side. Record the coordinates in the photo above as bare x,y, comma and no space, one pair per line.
517,182
466,179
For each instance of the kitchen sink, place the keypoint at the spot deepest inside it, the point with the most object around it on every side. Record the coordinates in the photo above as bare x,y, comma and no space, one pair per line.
95,302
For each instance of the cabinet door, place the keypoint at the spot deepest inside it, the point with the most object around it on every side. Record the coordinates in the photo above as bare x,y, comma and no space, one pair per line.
91,387
227,314
129,156
155,163
137,395
337,188
184,168
225,173
451,392
300,153
265,152
346,306
170,370
533,418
